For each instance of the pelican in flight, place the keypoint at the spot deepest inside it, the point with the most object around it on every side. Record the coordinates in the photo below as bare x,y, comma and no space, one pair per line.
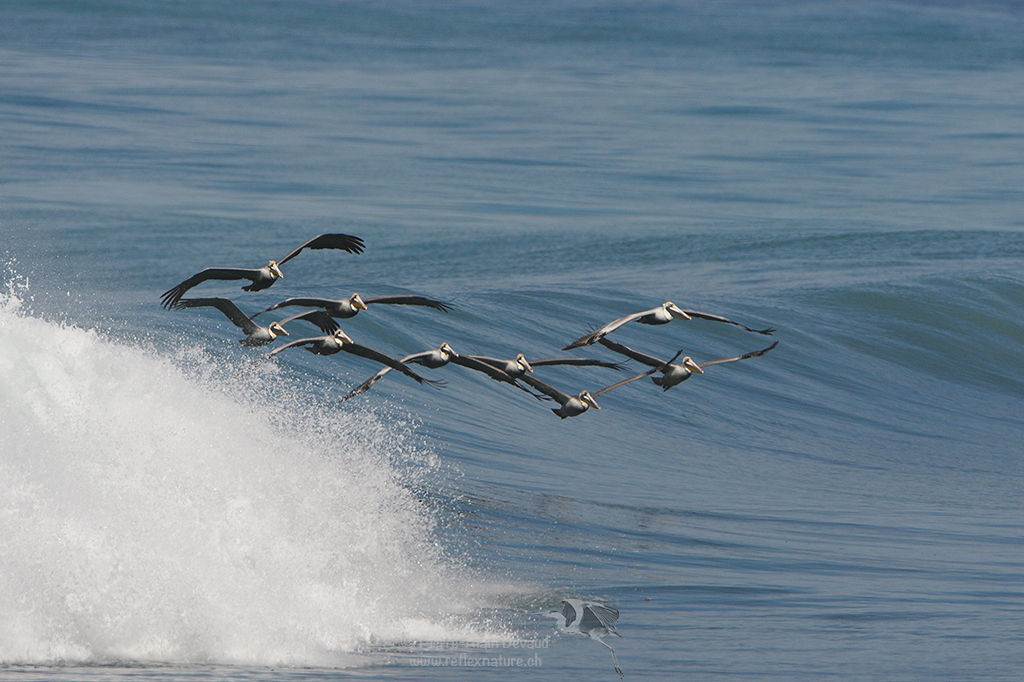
435,359
519,365
663,314
262,278
587,619
340,341
348,307
257,335
569,405
672,374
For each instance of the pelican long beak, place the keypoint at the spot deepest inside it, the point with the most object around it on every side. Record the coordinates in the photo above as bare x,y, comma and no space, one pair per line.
445,348
691,365
521,359
589,400
276,330
342,336
275,268
676,312
358,302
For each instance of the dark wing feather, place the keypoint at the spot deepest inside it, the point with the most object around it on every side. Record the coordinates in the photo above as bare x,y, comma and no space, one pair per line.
546,389
471,362
291,344
496,372
719,318
366,385
648,373
493,362
174,294
569,612
320,318
297,342
224,305
624,382
598,615
753,354
417,358
305,302
578,362
384,359
346,242
409,300
642,358
608,328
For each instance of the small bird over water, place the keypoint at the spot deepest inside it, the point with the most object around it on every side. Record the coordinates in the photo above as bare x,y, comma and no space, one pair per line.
587,619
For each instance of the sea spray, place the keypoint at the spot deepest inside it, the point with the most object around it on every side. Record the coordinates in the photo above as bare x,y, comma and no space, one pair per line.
150,512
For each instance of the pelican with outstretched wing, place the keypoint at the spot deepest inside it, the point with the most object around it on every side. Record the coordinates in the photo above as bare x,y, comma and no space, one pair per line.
570,405
262,278
519,365
437,358
338,342
257,335
671,373
349,307
663,314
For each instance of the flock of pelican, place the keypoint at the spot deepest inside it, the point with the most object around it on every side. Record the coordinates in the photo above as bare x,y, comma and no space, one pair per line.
518,371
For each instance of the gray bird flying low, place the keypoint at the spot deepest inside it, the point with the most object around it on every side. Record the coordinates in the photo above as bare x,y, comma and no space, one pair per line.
257,335
569,405
663,314
587,619
672,374
264,277
339,342
435,359
349,307
519,365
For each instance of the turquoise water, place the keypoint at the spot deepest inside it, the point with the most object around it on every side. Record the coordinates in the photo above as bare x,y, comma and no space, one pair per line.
846,507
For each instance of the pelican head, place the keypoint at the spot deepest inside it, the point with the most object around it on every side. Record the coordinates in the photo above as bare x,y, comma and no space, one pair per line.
448,350
523,364
357,302
277,330
589,399
675,311
691,365
275,269
342,337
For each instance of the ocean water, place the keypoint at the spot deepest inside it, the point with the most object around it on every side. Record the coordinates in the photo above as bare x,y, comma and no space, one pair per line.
849,506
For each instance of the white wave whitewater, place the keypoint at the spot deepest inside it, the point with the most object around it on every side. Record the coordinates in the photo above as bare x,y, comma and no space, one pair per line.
154,510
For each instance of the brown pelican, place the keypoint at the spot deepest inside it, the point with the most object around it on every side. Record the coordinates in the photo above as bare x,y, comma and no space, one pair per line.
340,341
570,405
519,365
255,334
663,314
673,374
262,278
587,619
348,307
435,359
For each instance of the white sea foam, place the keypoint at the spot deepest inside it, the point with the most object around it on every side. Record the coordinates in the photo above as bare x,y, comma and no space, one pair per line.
154,513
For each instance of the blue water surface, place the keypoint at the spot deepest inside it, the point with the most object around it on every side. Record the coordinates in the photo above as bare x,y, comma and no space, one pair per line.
848,506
